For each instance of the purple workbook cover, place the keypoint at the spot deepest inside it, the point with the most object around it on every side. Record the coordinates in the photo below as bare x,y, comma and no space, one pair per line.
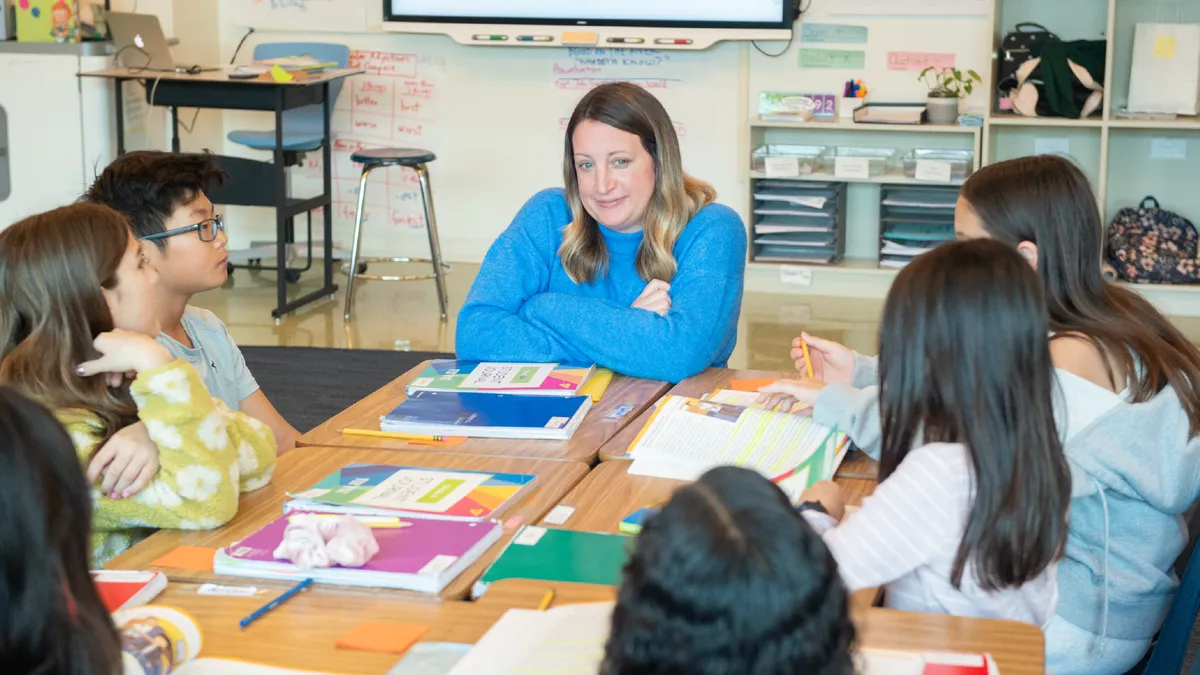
423,547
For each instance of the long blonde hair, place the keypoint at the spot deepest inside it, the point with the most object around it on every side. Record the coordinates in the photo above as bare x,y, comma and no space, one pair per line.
677,196
52,269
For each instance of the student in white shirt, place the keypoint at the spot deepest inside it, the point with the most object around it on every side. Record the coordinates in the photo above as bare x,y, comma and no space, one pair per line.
970,514
1128,411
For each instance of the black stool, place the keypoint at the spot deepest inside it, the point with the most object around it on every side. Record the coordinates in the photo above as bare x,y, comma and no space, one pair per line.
416,160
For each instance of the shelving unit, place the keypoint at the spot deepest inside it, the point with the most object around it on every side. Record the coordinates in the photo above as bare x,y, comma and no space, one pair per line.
1104,146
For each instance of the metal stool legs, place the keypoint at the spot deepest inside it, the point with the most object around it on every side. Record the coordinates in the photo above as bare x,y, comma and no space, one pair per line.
435,249
440,269
358,221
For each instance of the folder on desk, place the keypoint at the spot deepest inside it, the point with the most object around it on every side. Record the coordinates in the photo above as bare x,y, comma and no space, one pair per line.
554,554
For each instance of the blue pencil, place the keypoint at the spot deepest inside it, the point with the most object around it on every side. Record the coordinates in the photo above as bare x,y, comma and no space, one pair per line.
283,597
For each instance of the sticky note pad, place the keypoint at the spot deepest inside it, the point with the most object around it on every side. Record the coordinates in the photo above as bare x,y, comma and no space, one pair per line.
1164,47
380,636
280,75
750,385
580,38
194,558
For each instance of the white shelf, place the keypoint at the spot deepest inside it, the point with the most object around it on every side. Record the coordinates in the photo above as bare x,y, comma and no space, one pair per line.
890,179
1181,123
849,125
1001,119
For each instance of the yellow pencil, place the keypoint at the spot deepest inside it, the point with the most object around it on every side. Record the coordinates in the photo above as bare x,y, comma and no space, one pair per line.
391,434
807,358
549,598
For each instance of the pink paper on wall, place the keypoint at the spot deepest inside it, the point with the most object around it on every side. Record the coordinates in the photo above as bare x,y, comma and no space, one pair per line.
918,60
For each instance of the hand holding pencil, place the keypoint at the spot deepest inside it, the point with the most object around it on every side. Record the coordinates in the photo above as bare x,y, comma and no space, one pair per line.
824,360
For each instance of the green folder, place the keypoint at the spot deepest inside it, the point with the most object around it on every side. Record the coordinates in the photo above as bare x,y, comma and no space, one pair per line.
552,554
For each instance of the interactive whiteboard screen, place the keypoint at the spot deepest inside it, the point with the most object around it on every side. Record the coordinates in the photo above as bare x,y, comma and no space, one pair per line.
666,13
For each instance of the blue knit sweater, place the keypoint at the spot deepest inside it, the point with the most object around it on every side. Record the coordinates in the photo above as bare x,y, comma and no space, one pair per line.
524,307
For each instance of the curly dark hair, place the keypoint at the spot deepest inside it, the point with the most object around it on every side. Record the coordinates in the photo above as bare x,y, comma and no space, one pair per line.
729,580
148,186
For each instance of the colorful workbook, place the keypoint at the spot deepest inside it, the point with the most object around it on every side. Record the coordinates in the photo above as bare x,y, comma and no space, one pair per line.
439,413
554,554
413,492
420,555
125,589
526,379
686,437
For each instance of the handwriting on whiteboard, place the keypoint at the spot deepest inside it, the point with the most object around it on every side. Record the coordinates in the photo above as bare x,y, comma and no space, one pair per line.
918,60
394,103
301,5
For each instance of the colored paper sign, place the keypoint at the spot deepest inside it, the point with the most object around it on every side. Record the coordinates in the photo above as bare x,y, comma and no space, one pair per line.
1164,47
833,32
832,58
918,60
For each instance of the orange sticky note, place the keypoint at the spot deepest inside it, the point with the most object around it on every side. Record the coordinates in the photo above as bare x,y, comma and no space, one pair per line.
194,558
750,385
380,636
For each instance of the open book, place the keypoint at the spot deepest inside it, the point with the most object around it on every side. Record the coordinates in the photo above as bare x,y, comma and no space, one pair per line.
686,437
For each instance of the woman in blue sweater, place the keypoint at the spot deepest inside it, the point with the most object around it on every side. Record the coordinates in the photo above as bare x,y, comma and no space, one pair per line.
632,266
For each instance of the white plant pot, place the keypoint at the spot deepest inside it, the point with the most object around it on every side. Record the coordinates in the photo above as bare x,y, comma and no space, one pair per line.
940,110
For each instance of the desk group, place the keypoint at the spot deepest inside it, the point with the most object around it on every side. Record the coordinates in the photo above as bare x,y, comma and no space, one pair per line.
589,496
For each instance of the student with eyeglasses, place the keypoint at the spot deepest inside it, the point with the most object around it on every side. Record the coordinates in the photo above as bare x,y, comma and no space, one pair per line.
77,334
163,196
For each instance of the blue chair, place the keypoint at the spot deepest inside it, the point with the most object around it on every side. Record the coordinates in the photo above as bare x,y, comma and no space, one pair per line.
303,128
1170,649
303,131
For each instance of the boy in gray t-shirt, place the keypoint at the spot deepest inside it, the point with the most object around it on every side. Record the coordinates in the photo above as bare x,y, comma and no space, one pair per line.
162,195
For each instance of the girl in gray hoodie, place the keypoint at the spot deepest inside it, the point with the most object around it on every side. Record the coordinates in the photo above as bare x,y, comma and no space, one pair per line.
1127,407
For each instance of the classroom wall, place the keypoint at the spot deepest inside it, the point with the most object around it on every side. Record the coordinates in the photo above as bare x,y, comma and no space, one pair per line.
482,178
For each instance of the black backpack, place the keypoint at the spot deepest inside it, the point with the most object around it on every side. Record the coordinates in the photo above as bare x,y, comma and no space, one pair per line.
1150,245
1017,48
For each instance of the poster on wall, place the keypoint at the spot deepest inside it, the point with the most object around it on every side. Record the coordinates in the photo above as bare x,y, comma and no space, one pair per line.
911,7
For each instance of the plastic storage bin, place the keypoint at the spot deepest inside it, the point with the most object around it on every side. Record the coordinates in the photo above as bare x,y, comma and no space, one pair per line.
961,161
812,158
881,161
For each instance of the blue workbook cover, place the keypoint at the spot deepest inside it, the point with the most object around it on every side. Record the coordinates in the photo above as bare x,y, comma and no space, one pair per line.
488,415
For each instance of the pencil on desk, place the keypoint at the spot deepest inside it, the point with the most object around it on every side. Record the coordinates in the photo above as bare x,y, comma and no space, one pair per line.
391,434
807,359
546,600
283,597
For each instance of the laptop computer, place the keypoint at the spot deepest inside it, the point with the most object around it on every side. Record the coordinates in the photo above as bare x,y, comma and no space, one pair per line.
141,44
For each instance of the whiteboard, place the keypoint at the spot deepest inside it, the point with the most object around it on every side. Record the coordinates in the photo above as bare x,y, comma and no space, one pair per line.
496,119
346,16
912,7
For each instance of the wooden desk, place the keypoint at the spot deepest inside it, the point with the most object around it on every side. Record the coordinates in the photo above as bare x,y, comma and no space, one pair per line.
303,467
609,493
855,465
606,495
254,183
1018,648
599,425
301,633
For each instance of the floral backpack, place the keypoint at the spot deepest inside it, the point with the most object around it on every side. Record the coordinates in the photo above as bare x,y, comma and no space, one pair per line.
1150,245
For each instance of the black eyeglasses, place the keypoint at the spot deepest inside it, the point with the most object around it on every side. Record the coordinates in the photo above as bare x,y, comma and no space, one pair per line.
206,229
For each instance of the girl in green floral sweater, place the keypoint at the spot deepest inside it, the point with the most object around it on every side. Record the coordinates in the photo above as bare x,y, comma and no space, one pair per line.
77,323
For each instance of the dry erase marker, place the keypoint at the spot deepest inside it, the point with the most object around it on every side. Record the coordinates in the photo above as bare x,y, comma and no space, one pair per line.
672,41
625,41
534,38
489,38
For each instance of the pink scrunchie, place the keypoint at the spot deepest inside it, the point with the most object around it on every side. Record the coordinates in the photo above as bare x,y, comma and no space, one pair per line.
310,542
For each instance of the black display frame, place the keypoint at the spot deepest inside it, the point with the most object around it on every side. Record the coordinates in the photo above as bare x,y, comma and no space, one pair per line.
786,21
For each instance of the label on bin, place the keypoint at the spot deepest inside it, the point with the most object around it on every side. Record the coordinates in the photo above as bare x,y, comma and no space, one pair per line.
782,167
852,167
933,170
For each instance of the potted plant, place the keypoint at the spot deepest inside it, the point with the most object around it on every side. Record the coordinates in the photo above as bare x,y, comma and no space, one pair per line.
946,87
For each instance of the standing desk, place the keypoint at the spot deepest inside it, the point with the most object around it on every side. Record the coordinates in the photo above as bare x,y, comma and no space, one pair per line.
214,90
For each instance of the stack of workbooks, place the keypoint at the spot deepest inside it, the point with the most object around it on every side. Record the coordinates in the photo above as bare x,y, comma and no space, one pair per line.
430,524
546,401
686,437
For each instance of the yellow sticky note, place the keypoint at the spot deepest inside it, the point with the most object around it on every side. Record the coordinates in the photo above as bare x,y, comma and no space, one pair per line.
280,75
1164,47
